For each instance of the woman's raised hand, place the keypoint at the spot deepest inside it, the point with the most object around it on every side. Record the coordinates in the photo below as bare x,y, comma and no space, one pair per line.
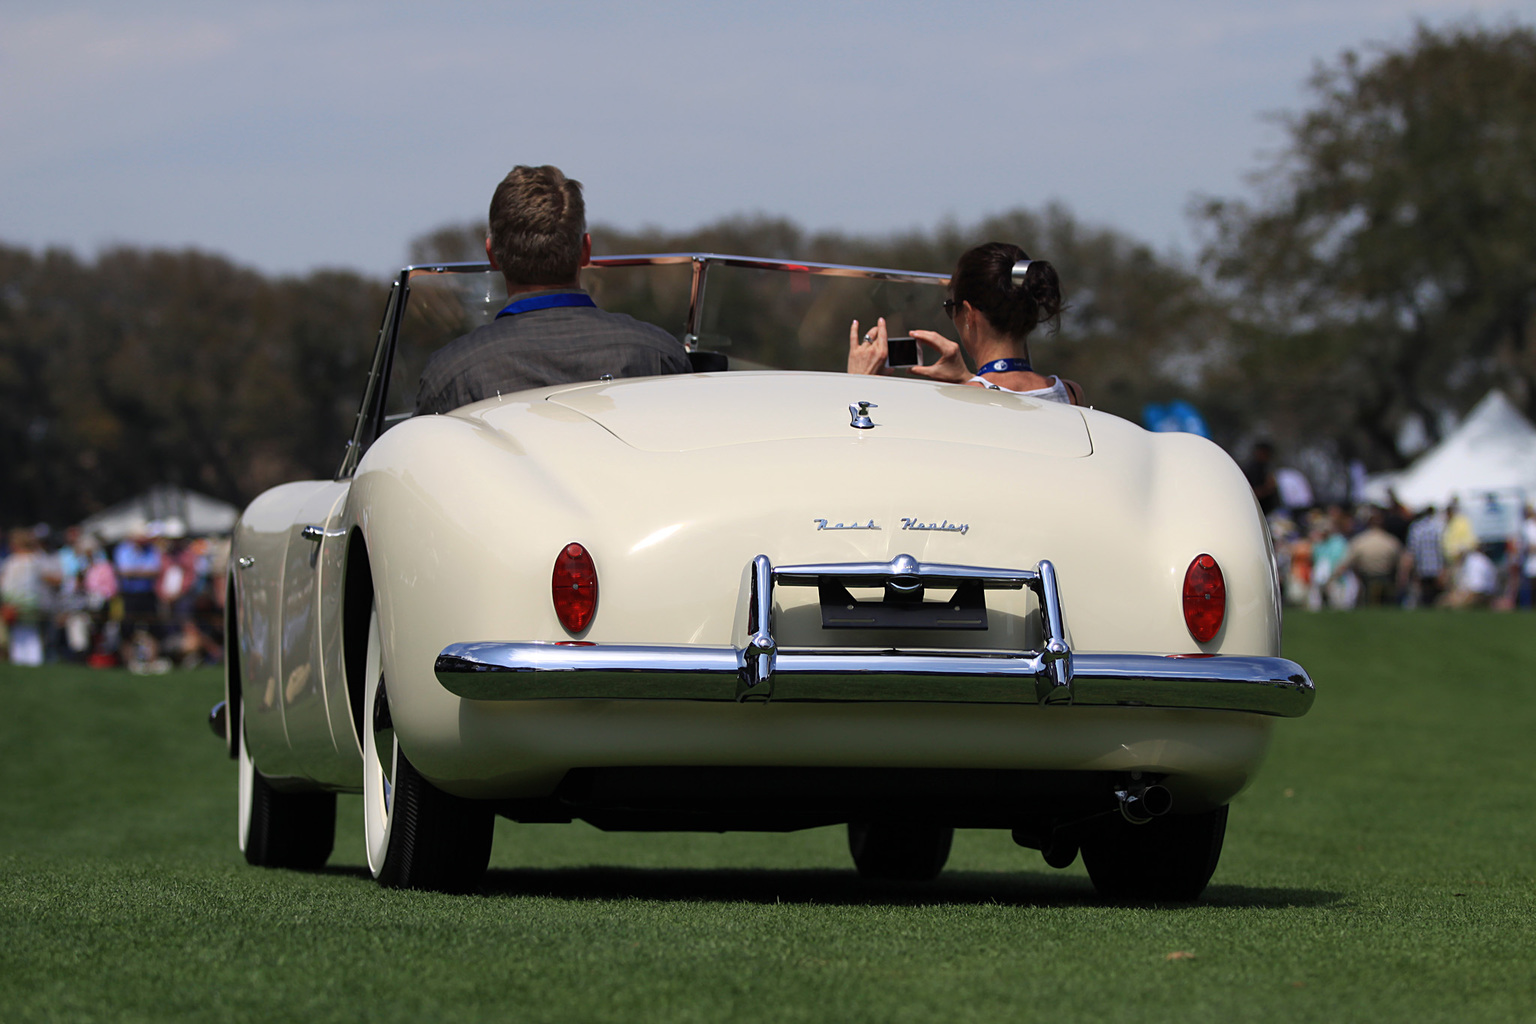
867,352
949,367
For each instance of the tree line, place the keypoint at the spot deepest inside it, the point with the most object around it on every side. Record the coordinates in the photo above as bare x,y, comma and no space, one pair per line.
1383,276
144,367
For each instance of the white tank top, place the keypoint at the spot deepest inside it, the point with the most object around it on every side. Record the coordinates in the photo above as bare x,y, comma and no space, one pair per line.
1057,392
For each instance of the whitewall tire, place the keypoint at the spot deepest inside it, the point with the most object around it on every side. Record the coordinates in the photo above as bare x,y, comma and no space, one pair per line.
418,837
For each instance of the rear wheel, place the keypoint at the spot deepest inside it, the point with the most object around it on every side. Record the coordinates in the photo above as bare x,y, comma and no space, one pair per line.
899,851
1170,858
278,829
418,837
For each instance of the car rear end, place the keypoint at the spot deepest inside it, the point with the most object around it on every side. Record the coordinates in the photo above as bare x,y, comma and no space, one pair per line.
975,608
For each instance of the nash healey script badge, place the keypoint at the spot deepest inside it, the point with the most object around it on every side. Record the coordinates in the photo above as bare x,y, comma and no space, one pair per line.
907,523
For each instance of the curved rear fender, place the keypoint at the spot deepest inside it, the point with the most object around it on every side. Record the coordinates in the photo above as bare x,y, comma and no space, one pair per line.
460,527
1212,509
1122,526
1202,504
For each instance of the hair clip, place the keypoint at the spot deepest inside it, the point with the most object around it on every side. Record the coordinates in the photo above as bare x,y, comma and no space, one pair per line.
1020,269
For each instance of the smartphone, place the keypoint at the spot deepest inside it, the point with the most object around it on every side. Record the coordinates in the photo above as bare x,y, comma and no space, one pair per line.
901,352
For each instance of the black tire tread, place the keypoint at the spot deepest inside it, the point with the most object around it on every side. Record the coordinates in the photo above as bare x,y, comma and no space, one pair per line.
437,841
899,851
289,830
1168,859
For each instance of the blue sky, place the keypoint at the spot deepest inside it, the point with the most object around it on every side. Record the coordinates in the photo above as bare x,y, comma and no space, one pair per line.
290,136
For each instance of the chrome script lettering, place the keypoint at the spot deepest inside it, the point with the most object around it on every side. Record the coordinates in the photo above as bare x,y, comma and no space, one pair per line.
908,523
822,524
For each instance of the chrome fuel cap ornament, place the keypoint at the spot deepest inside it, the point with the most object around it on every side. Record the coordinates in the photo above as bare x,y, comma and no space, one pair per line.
860,414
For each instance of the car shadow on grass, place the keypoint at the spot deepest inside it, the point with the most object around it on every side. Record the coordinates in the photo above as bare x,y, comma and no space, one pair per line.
845,887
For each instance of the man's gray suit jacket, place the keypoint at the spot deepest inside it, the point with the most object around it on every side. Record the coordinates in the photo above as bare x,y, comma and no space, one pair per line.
561,345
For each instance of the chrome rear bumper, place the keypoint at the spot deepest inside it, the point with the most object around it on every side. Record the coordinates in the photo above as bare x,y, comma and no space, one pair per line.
759,670
505,671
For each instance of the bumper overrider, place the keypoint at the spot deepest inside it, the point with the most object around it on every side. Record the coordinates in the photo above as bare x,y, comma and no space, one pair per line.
760,670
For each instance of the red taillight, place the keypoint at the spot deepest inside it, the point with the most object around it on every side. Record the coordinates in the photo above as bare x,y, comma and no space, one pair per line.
574,587
1205,598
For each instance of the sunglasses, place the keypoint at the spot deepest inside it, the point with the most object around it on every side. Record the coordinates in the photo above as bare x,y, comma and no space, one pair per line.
949,308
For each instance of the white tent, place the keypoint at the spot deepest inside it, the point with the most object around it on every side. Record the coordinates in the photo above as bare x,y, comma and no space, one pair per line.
1492,451
196,514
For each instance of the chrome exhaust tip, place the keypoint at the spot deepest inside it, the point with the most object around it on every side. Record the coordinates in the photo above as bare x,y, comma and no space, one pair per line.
1141,802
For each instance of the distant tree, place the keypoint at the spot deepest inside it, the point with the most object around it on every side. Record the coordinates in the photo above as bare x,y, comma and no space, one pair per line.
1387,271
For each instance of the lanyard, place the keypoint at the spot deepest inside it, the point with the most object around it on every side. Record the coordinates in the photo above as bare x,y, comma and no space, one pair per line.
546,302
1005,366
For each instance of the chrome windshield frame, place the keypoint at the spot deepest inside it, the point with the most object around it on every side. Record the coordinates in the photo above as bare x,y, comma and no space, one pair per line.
369,423
701,263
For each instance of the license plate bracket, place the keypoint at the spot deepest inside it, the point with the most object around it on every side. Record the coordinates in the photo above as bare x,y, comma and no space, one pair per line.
902,608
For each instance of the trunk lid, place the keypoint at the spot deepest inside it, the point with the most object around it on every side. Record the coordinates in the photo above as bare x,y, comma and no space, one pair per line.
677,414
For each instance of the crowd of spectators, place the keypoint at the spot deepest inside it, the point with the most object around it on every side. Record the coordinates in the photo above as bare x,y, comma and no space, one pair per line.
149,602
1344,557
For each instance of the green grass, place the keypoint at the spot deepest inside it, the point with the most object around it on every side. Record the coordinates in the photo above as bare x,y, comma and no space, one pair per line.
1379,868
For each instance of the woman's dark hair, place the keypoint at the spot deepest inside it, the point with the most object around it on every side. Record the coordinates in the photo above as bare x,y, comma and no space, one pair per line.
984,278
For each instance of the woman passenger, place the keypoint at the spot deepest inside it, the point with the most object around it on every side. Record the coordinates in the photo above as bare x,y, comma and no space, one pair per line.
997,296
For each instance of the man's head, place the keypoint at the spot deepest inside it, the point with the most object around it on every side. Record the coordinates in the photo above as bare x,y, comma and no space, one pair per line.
538,225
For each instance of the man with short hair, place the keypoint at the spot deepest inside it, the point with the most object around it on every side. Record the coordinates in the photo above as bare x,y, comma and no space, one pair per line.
138,563
1373,554
551,332
1426,557
1458,537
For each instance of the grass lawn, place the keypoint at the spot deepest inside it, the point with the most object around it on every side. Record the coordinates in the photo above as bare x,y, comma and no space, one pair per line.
1380,868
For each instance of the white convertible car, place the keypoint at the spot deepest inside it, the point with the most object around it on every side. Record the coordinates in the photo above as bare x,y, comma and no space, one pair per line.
767,595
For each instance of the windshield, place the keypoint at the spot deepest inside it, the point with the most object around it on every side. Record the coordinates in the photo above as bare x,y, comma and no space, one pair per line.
767,318
754,314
